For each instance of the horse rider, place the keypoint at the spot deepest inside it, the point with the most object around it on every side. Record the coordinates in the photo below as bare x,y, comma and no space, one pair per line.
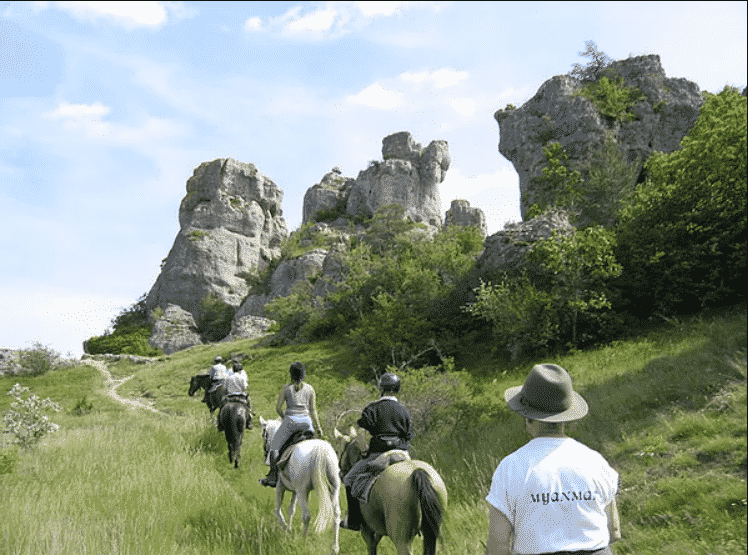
236,383
554,494
218,372
390,425
300,415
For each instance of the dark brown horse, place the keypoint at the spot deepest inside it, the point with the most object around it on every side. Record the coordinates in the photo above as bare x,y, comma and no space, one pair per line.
232,419
202,381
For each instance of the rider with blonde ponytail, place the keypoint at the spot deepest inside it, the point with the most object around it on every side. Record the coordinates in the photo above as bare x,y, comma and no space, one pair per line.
300,414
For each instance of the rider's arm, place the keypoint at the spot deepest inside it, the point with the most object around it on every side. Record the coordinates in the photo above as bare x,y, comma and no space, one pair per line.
499,533
280,401
313,411
614,524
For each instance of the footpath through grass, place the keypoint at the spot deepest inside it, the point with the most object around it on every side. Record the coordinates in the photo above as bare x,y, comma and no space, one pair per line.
667,409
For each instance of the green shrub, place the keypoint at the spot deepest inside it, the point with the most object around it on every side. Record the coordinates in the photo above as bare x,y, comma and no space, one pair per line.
612,99
682,237
133,340
26,419
82,407
215,319
558,185
38,360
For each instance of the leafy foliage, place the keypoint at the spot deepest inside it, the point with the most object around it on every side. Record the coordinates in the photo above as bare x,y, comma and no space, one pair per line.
26,419
577,271
682,237
558,185
612,98
216,316
131,334
39,359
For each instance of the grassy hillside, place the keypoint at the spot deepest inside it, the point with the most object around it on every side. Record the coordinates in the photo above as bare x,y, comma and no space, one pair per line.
667,409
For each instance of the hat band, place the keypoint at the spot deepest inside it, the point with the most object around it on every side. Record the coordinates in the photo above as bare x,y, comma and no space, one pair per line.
556,405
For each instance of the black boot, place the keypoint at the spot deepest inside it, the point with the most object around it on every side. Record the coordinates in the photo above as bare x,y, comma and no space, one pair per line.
272,478
354,517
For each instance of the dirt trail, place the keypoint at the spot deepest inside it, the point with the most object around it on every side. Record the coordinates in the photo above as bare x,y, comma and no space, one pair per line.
113,384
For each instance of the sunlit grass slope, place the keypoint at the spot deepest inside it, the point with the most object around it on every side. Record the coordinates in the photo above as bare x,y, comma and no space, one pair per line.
667,409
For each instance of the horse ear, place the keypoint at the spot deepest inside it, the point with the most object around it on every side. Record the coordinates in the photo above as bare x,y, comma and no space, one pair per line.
336,434
353,433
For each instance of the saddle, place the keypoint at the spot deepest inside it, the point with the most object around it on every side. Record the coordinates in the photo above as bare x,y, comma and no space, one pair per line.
367,474
285,450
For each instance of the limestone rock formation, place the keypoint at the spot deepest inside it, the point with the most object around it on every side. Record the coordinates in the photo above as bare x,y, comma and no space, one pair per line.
505,251
327,198
248,327
664,115
408,176
461,213
231,223
175,330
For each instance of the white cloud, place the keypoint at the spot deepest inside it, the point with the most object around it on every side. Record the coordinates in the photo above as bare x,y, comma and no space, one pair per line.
448,77
464,106
376,96
79,111
441,78
320,20
253,24
130,14
372,9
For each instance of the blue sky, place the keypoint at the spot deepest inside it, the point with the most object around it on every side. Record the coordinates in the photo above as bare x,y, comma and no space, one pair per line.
106,109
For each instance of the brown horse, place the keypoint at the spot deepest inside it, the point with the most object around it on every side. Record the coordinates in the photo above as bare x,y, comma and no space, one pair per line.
408,497
202,381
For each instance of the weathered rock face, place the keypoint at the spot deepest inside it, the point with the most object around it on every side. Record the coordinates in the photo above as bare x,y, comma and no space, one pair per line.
667,112
461,213
328,196
231,222
408,176
506,250
174,330
248,327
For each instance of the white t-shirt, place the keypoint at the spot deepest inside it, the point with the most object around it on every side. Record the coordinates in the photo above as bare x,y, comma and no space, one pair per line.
554,492
236,383
219,372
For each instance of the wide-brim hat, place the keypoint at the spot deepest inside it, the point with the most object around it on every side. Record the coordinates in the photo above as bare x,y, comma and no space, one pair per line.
547,396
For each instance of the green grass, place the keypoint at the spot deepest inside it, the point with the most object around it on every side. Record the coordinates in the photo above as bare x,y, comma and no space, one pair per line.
667,409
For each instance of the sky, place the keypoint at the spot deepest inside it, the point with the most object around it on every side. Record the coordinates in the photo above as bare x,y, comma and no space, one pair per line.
106,108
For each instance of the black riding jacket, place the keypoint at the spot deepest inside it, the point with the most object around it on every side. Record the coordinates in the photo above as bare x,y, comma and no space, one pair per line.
389,423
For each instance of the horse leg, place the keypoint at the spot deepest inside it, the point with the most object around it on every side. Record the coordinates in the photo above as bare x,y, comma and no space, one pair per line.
280,491
306,516
371,538
291,508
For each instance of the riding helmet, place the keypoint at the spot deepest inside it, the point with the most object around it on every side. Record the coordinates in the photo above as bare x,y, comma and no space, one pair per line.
218,359
389,382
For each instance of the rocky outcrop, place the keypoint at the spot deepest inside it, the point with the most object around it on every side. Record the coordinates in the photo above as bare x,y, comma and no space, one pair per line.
248,327
231,223
506,250
327,199
408,176
174,330
667,111
462,214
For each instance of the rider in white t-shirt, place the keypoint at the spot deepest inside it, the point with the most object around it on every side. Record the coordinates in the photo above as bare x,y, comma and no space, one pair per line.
554,495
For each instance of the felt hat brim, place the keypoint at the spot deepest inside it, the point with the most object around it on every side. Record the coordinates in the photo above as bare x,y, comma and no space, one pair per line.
577,409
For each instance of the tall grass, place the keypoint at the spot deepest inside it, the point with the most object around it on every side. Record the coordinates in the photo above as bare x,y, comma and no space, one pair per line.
667,409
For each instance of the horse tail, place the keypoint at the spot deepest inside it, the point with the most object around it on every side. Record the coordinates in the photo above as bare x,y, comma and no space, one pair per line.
322,468
431,509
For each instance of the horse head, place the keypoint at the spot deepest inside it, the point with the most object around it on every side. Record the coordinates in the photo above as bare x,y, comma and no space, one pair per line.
269,427
349,451
194,386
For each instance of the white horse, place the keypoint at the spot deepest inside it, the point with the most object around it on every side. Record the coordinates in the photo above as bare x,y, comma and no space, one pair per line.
313,465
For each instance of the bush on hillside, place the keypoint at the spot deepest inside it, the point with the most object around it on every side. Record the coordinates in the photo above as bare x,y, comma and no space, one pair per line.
682,237
26,419
216,316
39,359
130,336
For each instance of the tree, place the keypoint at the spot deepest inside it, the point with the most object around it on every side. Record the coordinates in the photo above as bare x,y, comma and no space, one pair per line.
576,271
558,185
594,68
682,237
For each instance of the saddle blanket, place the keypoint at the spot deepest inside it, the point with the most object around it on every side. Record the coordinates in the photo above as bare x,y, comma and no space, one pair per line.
286,450
367,474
